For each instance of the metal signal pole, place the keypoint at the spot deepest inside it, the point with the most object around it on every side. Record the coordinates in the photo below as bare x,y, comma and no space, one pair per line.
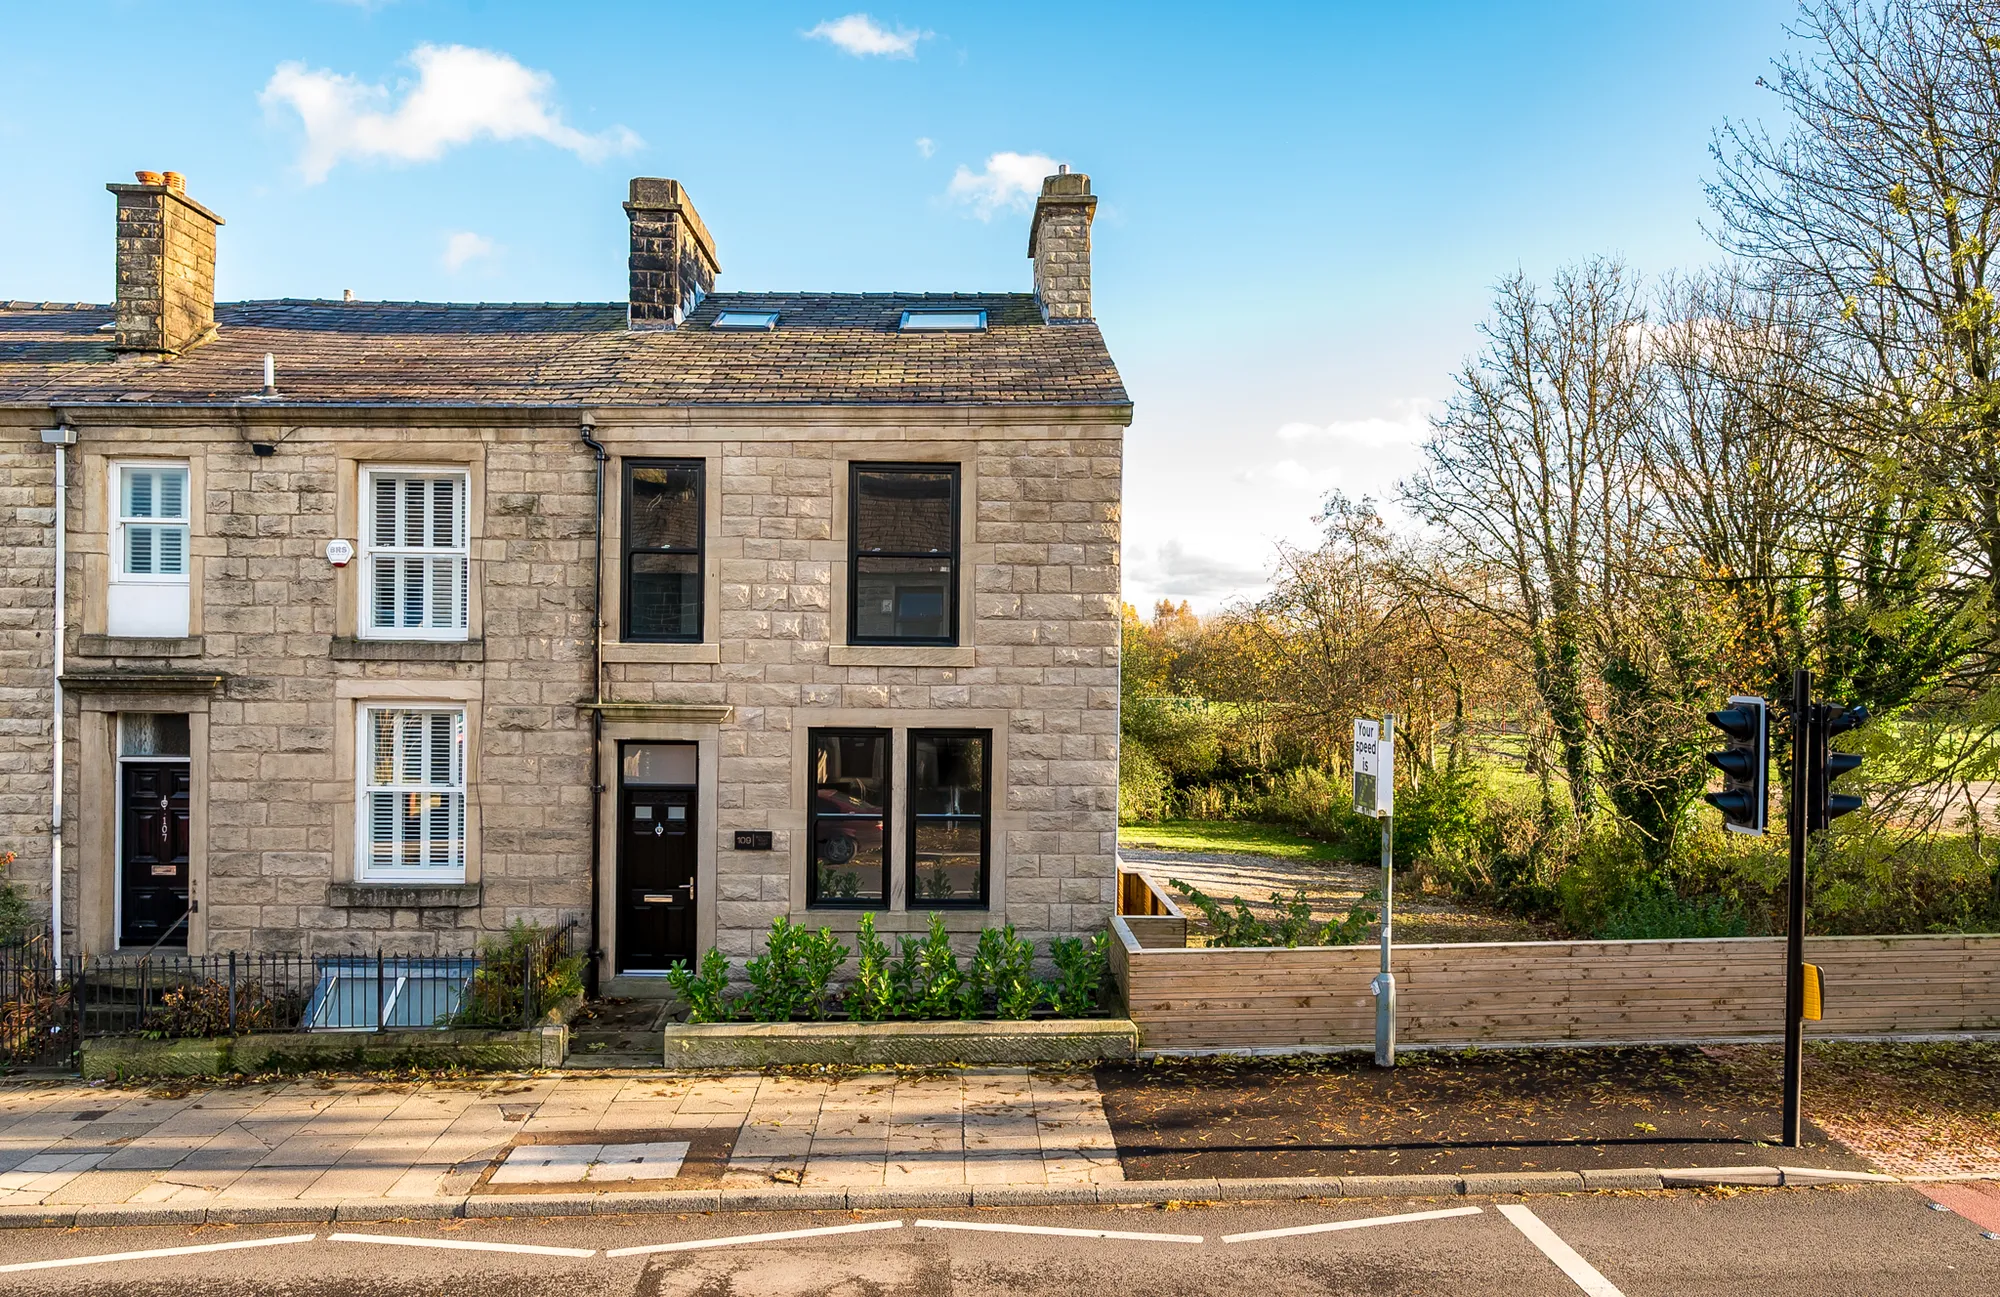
1805,731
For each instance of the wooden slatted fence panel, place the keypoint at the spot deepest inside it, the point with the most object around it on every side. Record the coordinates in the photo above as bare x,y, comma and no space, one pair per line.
1524,992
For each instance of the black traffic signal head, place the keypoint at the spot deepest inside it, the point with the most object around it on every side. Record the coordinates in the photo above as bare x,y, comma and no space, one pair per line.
1745,764
1834,805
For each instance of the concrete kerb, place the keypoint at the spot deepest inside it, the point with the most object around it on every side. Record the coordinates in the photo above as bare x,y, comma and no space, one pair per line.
1126,1193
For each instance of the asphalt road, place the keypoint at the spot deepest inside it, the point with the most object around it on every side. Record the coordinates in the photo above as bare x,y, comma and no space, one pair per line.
1768,1243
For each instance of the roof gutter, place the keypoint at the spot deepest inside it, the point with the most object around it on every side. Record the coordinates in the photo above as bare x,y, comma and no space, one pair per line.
62,437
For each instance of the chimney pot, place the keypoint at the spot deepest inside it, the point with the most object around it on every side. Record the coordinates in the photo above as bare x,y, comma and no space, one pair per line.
1059,245
165,264
672,264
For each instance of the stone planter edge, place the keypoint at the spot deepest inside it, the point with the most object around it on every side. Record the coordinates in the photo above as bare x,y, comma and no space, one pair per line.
766,1044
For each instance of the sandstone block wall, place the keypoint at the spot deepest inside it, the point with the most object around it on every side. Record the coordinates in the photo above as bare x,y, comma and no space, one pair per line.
1040,654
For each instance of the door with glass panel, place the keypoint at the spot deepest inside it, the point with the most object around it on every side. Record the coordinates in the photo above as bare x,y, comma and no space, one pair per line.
152,829
656,856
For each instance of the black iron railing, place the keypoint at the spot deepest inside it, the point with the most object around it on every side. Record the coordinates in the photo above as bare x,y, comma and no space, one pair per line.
45,1011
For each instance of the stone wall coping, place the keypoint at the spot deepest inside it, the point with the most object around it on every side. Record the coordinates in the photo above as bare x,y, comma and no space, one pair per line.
162,191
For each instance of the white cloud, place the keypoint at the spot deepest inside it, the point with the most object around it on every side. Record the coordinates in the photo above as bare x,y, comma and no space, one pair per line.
1010,180
1408,424
464,246
460,95
863,37
926,145
1175,573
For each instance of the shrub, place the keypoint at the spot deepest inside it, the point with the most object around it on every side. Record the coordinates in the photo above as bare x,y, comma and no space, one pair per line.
1145,790
790,978
926,976
15,922
1660,915
1083,974
507,965
201,1009
1292,923
1003,969
872,995
703,991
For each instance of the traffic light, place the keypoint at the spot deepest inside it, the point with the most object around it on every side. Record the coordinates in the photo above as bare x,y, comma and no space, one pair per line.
1837,720
1745,764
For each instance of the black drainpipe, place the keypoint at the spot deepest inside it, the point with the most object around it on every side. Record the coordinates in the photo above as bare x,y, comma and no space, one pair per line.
592,972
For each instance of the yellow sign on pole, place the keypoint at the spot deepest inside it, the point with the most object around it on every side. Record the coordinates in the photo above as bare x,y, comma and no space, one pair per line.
1815,992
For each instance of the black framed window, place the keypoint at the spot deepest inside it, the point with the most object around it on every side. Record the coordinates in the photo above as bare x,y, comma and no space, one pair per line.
663,550
951,781
902,546
849,818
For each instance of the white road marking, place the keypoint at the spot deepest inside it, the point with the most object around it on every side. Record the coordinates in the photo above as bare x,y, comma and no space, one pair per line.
461,1245
1581,1273
736,1239
1361,1223
151,1253
995,1227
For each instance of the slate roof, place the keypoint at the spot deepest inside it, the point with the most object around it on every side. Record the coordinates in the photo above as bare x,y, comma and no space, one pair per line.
829,349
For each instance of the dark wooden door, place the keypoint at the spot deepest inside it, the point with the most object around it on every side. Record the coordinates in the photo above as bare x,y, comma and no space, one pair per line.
656,859
153,853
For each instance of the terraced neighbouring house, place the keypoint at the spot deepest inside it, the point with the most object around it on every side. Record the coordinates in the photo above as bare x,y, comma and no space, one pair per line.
387,624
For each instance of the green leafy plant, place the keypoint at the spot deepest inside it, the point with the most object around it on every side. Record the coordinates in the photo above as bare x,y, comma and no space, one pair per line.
1083,974
926,973
703,991
15,922
511,963
1660,915
1291,924
872,995
1002,971
790,979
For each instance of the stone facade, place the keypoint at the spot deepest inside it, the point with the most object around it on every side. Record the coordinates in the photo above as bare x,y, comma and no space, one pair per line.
497,672
274,623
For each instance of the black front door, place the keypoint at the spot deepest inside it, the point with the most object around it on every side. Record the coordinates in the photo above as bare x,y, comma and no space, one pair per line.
656,858
153,853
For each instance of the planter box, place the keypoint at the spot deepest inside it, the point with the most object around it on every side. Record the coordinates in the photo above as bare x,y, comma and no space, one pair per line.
765,1044
124,1057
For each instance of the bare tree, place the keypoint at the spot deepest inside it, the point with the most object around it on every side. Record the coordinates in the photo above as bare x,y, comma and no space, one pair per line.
1882,206
1527,474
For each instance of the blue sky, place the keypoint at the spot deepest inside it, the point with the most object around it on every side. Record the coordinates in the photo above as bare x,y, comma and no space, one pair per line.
1304,207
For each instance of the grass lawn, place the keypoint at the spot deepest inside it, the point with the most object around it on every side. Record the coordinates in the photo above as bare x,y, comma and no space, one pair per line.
1226,835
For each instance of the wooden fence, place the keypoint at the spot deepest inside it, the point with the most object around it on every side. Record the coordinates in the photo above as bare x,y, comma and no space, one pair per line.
1206,999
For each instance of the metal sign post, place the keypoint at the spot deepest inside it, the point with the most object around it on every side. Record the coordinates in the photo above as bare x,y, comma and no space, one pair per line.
1375,794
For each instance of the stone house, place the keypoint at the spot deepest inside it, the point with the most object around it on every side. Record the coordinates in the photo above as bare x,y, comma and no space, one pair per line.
391,623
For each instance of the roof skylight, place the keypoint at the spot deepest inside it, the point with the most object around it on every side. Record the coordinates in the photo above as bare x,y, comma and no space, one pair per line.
943,321
745,320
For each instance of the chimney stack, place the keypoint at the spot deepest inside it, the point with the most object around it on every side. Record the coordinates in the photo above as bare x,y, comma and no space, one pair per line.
673,260
1059,244
166,266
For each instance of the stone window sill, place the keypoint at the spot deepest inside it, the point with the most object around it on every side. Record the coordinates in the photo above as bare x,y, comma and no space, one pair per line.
401,896
133,646
349,648
663,653
898,655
